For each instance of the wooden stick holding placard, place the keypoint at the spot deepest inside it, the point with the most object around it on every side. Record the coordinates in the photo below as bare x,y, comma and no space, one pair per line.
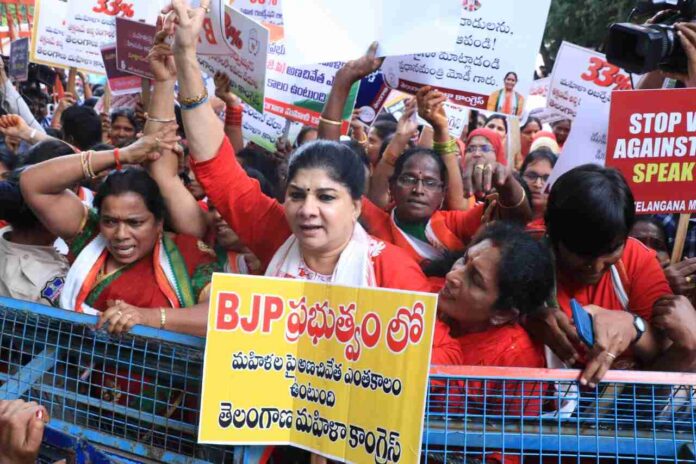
72,82
106,99
680,239
145,93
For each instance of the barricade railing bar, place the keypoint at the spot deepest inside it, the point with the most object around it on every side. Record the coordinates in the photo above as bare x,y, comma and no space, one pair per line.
140,393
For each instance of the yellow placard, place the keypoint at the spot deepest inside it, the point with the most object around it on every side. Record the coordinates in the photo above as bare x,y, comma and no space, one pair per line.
336,370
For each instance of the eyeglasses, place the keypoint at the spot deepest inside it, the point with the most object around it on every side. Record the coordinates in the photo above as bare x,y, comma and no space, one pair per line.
482,148
408,181
532,177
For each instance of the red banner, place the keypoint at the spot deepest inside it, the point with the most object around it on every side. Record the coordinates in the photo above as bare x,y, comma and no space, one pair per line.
652,141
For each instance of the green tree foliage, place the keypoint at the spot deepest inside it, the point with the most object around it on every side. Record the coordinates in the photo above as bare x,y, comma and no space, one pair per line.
583,22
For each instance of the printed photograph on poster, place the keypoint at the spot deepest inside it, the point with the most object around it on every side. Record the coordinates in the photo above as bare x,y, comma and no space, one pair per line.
580,75
491,66
651,141
245,63
261,357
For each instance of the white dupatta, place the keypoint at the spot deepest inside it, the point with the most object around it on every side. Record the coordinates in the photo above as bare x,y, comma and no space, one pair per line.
354,267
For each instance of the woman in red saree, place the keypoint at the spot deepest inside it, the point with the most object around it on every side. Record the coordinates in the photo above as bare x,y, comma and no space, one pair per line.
124,267
504,275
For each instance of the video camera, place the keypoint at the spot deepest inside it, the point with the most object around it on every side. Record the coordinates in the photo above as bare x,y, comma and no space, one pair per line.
643,48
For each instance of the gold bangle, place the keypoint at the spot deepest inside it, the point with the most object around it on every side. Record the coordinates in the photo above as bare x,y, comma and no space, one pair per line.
83,163
193,100
163,318
163,121
330,121
524,197
90,169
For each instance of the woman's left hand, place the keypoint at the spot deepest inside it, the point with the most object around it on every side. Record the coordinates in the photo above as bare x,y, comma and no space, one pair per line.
355,70
481,175
122,317
150,147
161,58
613,334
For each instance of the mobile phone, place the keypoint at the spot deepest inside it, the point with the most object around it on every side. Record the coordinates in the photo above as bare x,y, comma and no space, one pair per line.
583,323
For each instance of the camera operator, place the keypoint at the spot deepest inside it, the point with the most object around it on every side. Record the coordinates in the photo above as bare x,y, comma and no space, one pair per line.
687,37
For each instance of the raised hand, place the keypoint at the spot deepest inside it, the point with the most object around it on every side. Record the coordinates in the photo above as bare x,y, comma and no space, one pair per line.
222,90
355,70
161,57
150,147
431,107
189,22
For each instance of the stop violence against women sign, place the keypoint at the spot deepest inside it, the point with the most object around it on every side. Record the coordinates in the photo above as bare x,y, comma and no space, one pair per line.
652,141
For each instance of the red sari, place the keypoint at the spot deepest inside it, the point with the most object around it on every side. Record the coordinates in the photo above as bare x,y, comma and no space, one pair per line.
261,225
643,280
136,284
505,346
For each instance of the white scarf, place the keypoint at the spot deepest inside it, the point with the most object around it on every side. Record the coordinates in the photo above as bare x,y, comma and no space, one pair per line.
354,267
85,261
424,250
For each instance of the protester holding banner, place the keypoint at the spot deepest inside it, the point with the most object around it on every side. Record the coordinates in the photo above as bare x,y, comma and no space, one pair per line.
618,280
315,234
123,266
506,100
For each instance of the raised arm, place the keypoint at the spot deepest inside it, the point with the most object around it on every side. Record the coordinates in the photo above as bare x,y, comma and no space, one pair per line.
16,103
351,72
233,111
14,125
204,130
405,130
46,186
184,212
431,108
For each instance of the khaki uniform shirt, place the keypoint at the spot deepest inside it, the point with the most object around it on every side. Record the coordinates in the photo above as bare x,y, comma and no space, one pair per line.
31,273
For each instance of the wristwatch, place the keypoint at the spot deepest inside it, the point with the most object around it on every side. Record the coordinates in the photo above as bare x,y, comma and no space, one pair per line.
639,324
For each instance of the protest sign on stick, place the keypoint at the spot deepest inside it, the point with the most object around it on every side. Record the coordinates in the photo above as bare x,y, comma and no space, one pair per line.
262,129
92,24
342,31
495,38
119,82
581,75
19,60
133,42
587,142
282,354
296,93
49,32
245,63
215,37
652,141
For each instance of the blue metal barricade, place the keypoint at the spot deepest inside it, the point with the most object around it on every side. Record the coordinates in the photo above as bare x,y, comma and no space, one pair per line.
118,399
